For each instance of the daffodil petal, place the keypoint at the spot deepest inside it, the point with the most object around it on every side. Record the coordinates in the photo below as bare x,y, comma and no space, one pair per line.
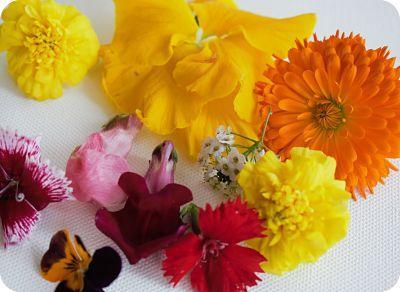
213,114
231,3
147,30
210,73
152,92
270,35
251,63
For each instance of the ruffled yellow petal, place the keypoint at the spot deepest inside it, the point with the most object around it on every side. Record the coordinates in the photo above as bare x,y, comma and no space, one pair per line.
152,92
227,2
270,35
147,30
47,45
252,63
304,207
213,114
210,73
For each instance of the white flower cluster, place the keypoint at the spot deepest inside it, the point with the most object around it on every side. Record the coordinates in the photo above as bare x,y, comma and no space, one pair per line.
222,162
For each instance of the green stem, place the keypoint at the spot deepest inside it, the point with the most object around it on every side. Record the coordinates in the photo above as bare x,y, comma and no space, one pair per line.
244,137
266,124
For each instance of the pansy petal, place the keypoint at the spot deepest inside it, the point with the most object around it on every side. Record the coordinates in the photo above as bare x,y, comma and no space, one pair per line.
210,118
56,263
270,35
152,92
147,30
104,268
209,73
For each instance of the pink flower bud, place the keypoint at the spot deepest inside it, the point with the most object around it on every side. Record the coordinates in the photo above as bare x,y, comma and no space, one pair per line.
162,167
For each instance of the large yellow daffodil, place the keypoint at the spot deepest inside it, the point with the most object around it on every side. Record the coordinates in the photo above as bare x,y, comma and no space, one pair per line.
187,68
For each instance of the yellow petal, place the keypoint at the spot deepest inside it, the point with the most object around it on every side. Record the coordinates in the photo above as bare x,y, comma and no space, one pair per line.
227,2
270,35
210,73
213,114
163,105
252,62
147,30
13,11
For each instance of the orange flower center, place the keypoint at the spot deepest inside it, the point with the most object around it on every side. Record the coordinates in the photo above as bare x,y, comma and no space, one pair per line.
329,114
45,43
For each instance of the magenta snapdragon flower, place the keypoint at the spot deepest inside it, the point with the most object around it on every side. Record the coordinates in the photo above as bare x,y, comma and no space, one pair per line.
150,220
27,185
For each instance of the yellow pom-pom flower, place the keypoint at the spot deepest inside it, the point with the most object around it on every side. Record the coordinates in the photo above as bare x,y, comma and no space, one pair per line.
304,207
47,45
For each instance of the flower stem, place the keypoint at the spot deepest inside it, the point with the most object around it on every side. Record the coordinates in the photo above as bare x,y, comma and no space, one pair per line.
244,137
266,122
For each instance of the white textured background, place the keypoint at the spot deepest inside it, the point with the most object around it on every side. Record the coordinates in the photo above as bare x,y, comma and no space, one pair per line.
367,260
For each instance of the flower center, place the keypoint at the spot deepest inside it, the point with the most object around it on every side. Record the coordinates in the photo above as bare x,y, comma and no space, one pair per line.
329,114
45,43
9,187
211,249
287,212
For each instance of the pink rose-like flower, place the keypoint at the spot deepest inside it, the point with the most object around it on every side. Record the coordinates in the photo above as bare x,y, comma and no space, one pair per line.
96,166
27,185
150,219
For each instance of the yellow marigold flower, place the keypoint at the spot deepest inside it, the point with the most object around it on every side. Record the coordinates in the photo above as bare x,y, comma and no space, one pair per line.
47,45
303,205
205,61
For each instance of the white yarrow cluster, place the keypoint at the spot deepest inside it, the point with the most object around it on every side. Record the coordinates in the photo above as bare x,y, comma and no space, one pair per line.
222,162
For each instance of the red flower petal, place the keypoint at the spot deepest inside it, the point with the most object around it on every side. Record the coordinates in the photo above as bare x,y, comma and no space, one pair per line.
148,222
233,270
232,222
182,257
17,219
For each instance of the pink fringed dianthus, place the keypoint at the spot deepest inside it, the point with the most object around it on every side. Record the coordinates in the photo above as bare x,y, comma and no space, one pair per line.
27,185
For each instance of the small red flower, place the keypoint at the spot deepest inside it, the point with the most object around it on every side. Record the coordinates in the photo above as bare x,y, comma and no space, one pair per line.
215,259
27,185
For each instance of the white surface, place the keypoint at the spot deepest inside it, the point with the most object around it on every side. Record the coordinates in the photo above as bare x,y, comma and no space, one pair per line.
367,260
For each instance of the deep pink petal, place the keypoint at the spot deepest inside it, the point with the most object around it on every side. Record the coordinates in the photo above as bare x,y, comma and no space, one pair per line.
18,219
148,222
119,134
182,257
14,151
230,222
134,185
109,224
41,184
95,175
27,185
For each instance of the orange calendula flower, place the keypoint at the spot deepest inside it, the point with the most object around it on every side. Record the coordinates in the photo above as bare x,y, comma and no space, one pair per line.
337,96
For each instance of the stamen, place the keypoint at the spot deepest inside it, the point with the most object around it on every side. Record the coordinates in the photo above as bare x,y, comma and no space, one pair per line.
19,197
11,184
